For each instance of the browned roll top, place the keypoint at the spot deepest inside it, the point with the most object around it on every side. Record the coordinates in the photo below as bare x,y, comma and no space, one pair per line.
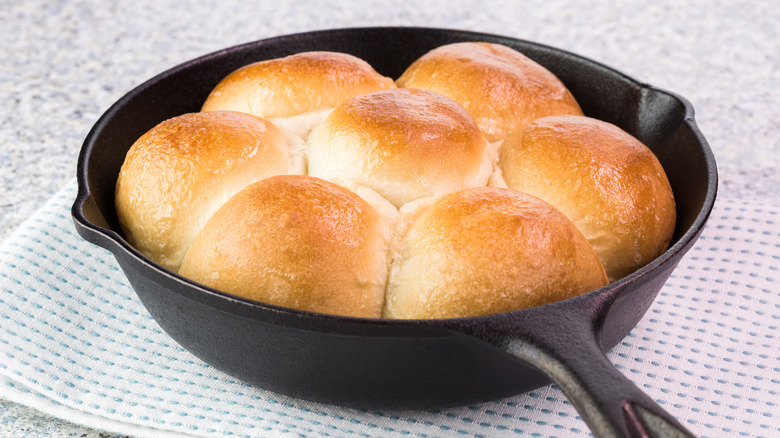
501,88
606,181
177,174
404,144
488,250
296,91
295,241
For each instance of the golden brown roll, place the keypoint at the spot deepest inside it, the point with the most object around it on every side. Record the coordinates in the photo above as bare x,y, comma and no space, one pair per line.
605,180
177,174
298,242
501,88
296,92
404,144
487,250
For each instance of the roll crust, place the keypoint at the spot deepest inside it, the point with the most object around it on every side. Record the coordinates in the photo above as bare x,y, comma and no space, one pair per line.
178,173
501,88
298,242
488,250
605,180
286,90
403,143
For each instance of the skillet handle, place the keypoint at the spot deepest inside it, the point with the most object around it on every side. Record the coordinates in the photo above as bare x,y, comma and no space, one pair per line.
609,403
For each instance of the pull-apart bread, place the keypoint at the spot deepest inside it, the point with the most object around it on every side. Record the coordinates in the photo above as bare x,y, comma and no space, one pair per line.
471,185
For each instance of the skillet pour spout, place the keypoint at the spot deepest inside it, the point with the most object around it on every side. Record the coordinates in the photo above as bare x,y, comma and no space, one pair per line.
412,364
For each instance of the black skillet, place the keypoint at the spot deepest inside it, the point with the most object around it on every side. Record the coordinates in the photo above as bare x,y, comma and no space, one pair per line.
388,364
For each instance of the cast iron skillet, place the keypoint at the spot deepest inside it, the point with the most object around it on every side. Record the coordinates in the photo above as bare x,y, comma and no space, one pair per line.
389,364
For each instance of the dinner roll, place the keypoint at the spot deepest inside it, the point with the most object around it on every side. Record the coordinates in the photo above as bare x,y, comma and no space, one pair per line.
178,173
501,88
296,92
403,143
488,250
606,181
295,241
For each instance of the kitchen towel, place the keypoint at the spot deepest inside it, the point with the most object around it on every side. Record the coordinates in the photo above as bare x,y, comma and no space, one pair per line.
76,342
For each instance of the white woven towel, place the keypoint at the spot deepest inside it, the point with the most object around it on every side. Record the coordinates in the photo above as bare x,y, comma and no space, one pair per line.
76,342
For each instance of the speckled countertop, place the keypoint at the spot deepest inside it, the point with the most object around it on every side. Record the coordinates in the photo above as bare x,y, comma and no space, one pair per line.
63,63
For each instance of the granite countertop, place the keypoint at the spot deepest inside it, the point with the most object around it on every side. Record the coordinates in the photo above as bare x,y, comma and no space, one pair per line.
64,63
